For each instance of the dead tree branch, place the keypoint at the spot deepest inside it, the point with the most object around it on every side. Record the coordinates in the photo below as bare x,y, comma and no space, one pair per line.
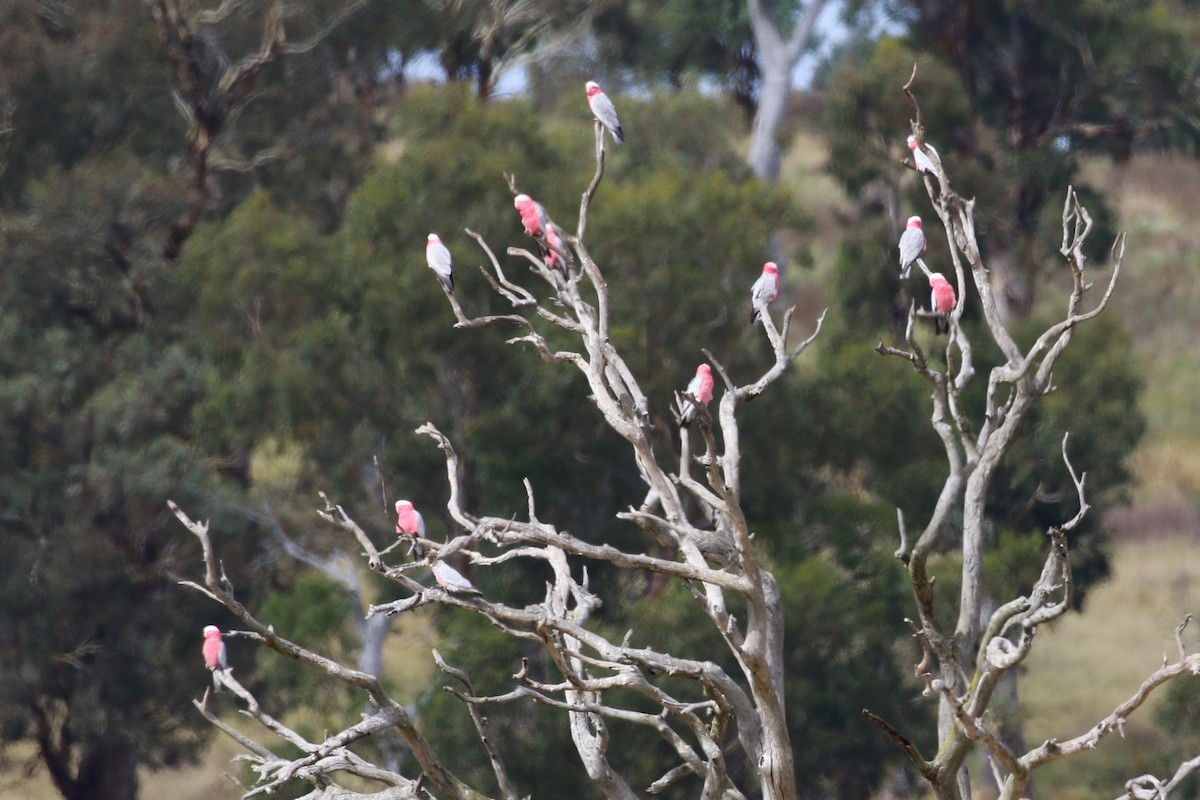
963,664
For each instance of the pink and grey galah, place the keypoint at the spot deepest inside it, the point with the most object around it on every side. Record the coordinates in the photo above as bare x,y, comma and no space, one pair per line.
451,579
533,217
215,657
941,300
604,111
701,388
409,522
438,258
924,158
912,244
764,290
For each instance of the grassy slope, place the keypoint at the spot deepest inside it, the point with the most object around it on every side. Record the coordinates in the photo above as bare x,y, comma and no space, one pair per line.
1086,664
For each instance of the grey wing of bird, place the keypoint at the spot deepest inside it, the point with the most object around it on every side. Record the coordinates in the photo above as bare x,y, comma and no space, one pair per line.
439,260
606,112
910,248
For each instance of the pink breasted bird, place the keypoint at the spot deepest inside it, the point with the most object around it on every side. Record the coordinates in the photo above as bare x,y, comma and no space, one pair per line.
941,300
604,111
215,657
764,290
451,579
533,216
438,258
912,244
701,388
409,522
924,158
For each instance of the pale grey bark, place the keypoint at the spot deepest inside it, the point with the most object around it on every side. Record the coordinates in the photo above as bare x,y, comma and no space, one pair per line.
777,59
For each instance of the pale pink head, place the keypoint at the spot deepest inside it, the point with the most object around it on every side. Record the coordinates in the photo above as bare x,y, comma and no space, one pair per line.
913,222
912,143
703,369
770,268
593,89
403,506
433,239
212,631
937,278
521,200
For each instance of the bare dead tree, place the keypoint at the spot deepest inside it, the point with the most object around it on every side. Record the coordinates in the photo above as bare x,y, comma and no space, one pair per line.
707,715
963,659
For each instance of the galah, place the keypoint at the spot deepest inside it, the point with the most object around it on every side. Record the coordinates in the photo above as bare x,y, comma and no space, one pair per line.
533,216
438,258
215,656
604,110
701,388
556,252
941,300
924,158
912,244
409,522
451,579
764,290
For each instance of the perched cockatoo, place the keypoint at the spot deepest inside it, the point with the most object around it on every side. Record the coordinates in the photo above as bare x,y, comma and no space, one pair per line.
912,244
409,522
556,253
215,657
451,579
533,216
604,110
764,290
941,300
701,388
438,258
924,158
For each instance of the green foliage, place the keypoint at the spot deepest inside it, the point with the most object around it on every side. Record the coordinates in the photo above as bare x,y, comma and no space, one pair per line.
668,41
313,611
83,79
100,653
1129,70
866,115
843,611
1035,100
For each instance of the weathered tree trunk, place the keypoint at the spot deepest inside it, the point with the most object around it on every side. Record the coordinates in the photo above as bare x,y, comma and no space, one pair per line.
107,771
777,58
772,108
